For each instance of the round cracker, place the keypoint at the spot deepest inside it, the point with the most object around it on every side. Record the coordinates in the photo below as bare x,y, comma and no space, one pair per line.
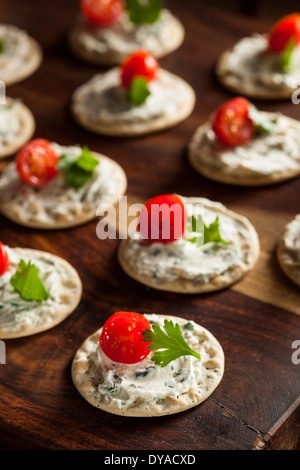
286,260
220,281
112,57
239,86
27,130
211,169
87,216
71,292
35,58
127,128
86,378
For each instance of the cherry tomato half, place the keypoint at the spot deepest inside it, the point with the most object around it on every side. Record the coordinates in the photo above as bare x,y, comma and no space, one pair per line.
163,219
4,261
231,122
36,163
121,338
138,64
102,12
286,30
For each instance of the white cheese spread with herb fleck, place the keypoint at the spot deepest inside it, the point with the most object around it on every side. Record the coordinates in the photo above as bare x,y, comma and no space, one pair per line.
103,100
11,123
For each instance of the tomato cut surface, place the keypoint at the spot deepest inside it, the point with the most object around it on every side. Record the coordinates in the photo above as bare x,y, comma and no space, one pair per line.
121,338
286,30
231,122
102,12
163,219
36,163
138,64
4,261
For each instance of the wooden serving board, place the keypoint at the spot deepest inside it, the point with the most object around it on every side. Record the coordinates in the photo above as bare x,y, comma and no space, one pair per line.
256,406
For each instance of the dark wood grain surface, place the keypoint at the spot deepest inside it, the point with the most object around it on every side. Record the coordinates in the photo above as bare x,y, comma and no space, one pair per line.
256,406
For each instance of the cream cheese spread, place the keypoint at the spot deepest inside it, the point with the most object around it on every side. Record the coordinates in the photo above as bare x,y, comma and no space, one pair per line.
124,37
57,202
183,260
250,63
103,100
16,313
125,386
267,154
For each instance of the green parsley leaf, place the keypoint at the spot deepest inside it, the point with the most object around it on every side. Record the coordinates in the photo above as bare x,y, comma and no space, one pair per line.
27,283
2,46
287,55
260,122
203,233
143,11
80,171
138,91
167,345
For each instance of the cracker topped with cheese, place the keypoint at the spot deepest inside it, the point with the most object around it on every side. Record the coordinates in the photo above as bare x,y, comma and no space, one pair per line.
288,250
107,31
130,366
189,245
244,146
38,290
20,54
135,99
50,186
264,66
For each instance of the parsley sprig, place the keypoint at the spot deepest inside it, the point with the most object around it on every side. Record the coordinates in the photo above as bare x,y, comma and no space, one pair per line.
78,172
143,11
167,345
138,91
287,55
27,283
261,123
202,233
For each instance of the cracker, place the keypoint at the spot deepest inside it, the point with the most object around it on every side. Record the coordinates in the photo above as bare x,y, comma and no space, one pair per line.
288,255
215,168
69,296
251,251
10,208
127,123
109,55
87,376
26,132
33,61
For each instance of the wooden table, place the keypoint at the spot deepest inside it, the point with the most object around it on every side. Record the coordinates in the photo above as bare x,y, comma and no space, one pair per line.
256,406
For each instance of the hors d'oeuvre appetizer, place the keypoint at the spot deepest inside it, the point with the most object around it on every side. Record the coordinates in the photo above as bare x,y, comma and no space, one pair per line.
264,66
288,250
134,99
243,146
20,54
189,245
38,290
50,186
17,125
148,365
108,31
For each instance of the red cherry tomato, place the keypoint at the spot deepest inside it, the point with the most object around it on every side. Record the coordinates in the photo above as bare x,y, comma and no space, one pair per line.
286,30
121,338
36,163
163,219
4,261
231,122
139,64
102,12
